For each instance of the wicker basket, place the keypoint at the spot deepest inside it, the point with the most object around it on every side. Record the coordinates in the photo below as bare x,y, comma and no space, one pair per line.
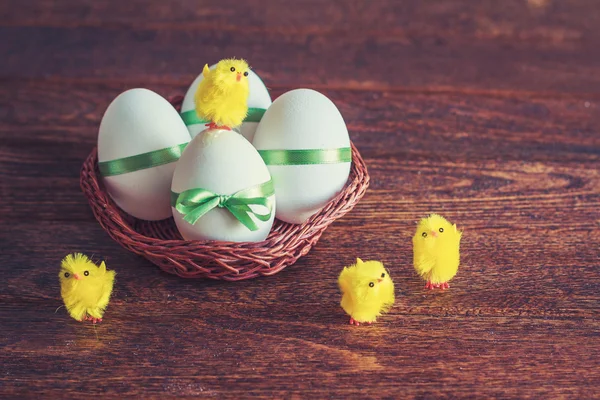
161,243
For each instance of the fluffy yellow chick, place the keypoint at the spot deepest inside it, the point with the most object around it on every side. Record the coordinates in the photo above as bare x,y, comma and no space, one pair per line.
436,247
84,287
222,96
367,291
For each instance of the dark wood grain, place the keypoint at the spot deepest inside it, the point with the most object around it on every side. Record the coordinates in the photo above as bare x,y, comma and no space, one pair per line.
456,45
486,113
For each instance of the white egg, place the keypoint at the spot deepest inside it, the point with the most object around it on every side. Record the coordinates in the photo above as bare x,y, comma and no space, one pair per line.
259,98
299,120
224,163
139,121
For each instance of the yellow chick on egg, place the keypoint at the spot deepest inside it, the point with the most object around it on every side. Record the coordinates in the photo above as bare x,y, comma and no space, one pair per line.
367,291
436,251
85,288
222,96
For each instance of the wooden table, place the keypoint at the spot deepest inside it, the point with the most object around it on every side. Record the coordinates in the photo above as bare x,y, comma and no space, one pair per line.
485,112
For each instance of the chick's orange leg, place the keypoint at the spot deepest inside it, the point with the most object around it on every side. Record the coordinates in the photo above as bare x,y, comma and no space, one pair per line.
444,285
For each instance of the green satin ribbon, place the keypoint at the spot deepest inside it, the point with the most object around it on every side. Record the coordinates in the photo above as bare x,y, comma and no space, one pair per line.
194,203
191,118
306,157
141,161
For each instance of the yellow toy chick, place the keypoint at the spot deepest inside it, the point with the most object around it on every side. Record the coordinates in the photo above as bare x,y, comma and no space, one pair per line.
436,247
222,96
367,291
84,287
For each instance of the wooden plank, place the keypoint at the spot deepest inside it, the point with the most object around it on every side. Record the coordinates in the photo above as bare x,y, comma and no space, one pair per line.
464,194
51,105
495,280
454,46
553,22
235,353
424,152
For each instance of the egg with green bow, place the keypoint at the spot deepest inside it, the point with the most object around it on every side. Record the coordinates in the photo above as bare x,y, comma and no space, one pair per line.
258,101
222,190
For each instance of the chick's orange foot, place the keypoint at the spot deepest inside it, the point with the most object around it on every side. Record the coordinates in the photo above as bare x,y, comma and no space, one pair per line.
94,320
354,322
212,125
444,285
430,285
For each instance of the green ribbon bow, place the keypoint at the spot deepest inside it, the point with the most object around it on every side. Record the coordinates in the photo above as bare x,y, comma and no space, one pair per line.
141,161
194,203
191,118
306,157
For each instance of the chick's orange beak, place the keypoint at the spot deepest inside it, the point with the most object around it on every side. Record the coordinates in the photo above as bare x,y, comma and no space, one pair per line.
434,233
379,280
77,277
238,77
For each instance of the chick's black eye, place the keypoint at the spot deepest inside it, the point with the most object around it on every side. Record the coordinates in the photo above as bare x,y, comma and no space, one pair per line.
383,275
441,230
246,73
67,274
371,284
232,69
424,234
86,273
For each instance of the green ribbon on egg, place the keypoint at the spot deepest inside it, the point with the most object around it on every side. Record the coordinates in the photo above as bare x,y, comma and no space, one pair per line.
141,161
194,203
191,117
306,157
